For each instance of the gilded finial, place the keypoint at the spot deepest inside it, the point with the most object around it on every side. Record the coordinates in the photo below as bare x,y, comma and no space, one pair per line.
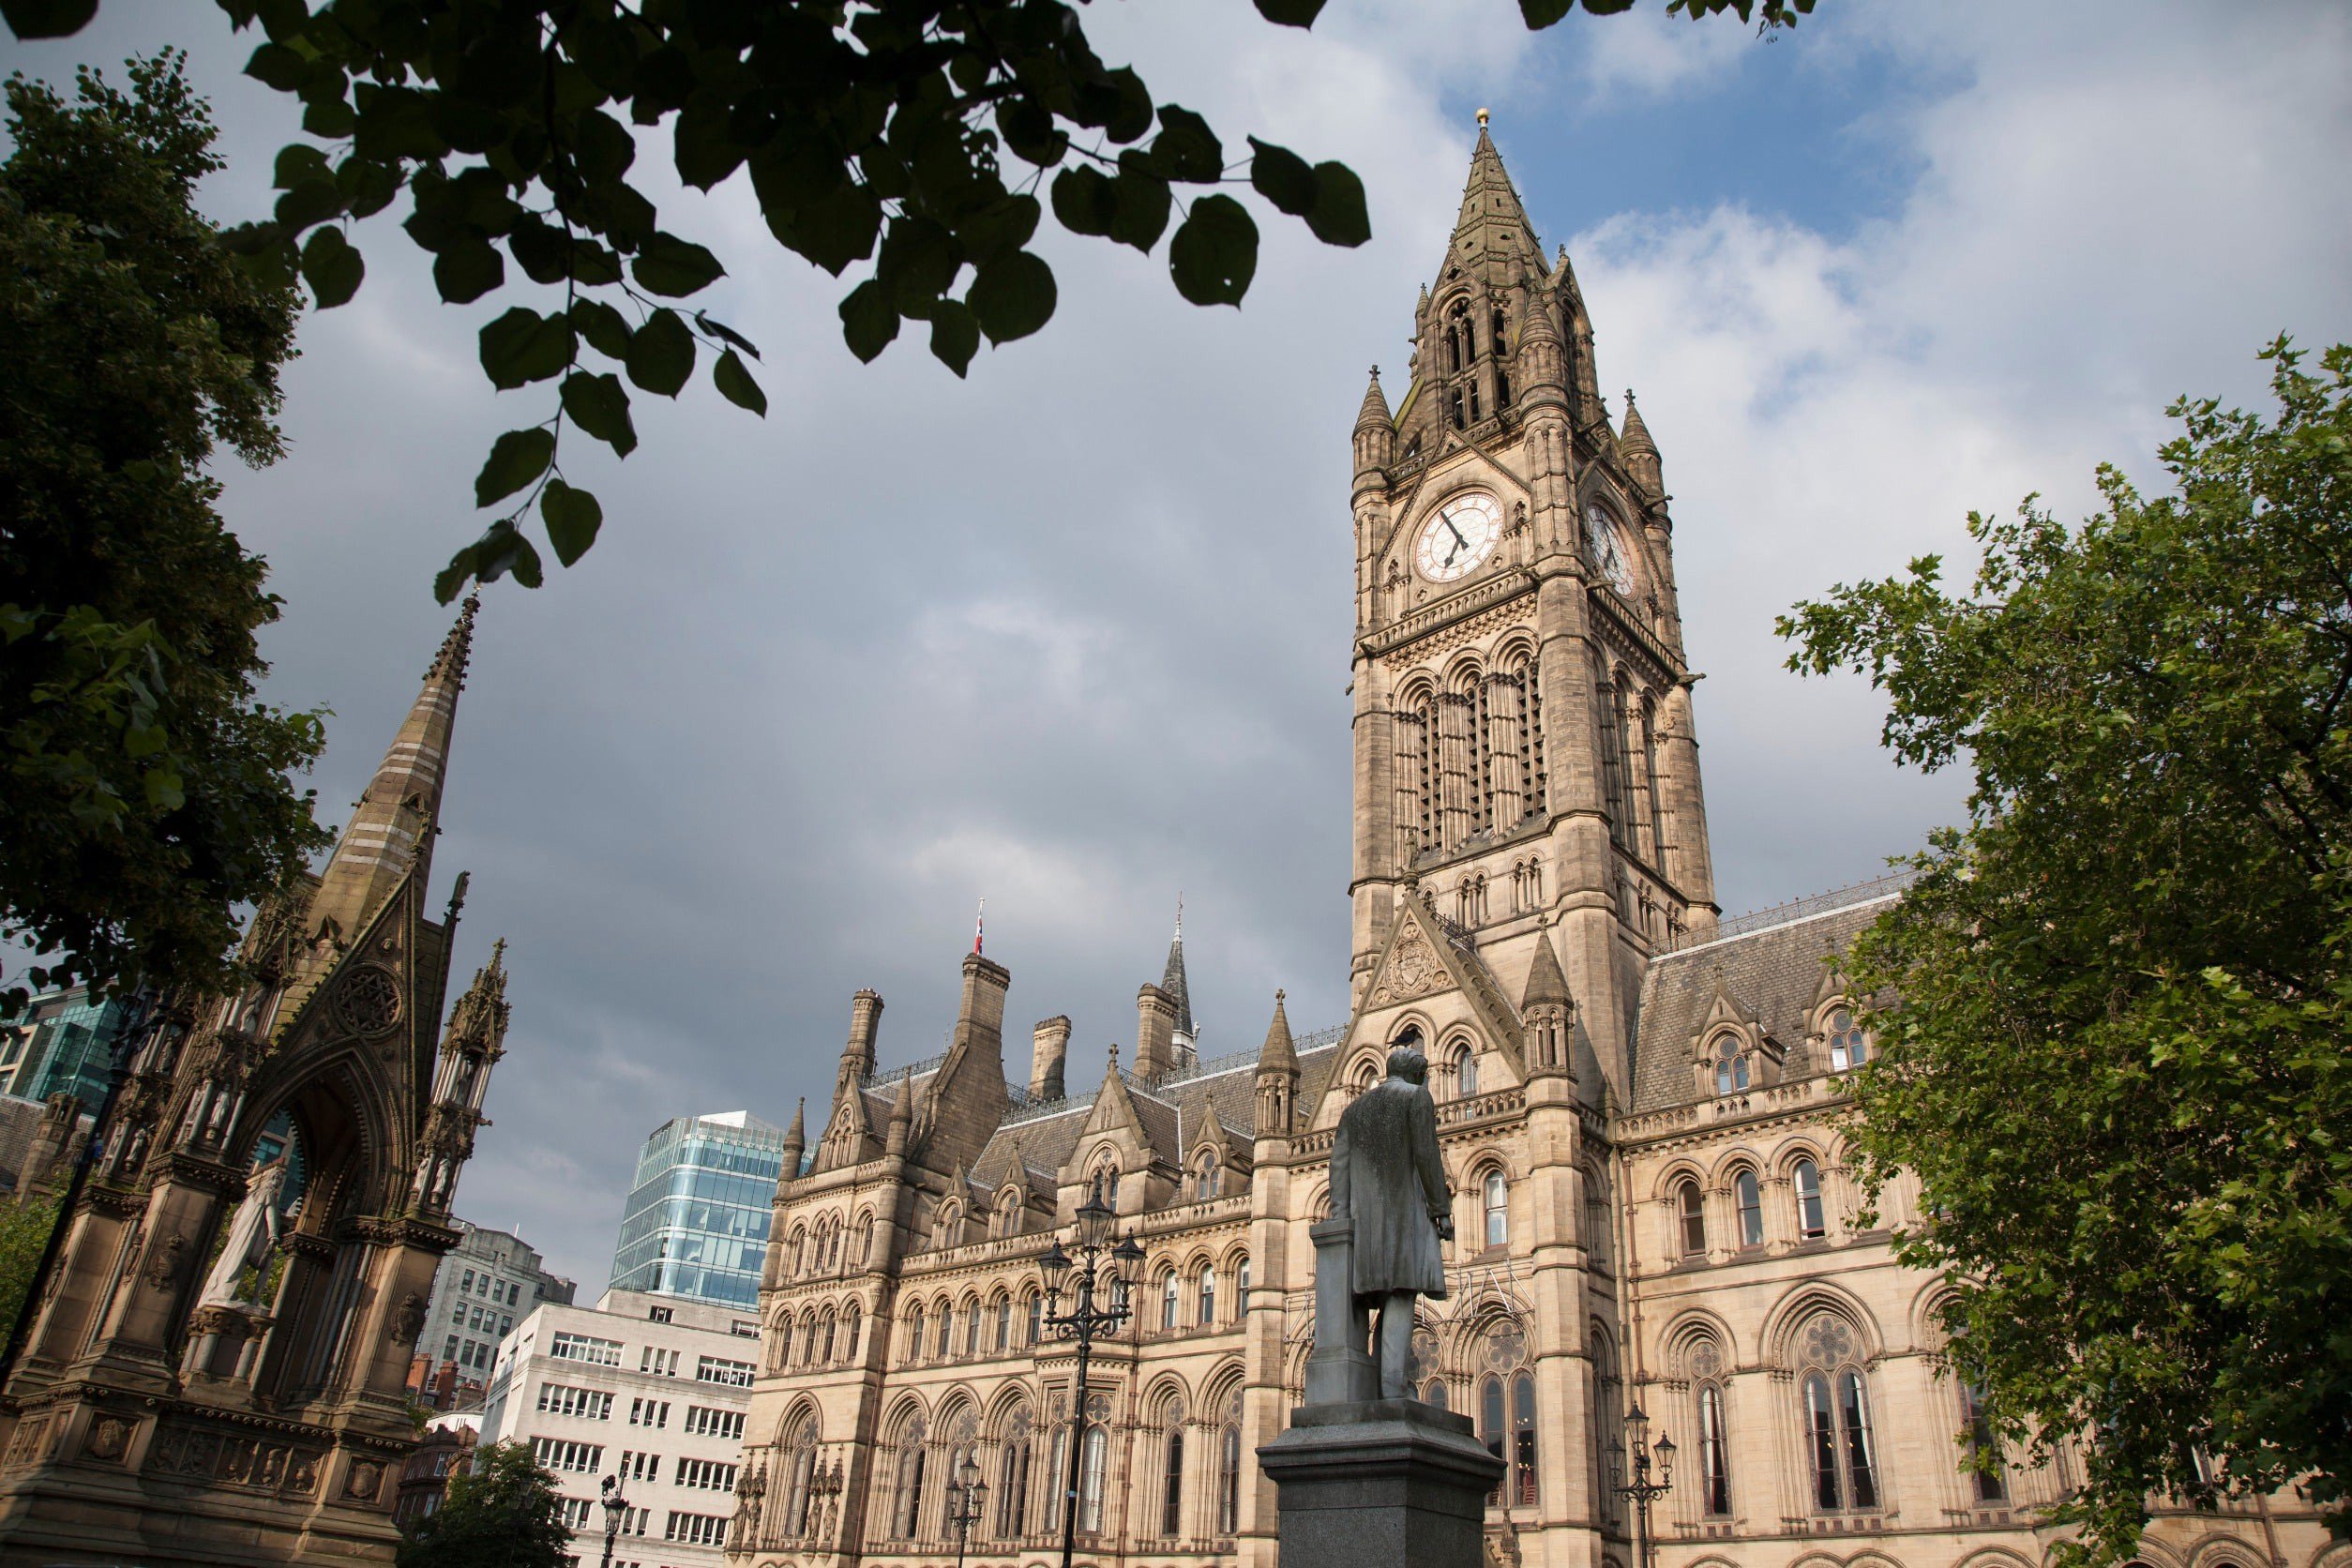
1482,119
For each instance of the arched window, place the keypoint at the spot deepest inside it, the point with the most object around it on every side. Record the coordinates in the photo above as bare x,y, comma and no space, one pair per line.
1209,1178
1433,1393
972,1327
1732,1066
1606,1428
1208,1295
1171,1292
1811,1222
945,1327
1714,1455
1036,1318
1241,1283
1492,1428
1459,349
1750,1200
1229,1468
914,1332
799,1468
832,1327
807,1339
1012,1480
1466,1073
907,1511
1693,1206
1652,771
1984,1453
865,1237
1837,1409
1498,1203
1455,403
1003,1325
800,1247
1172,1469
850,1321
1523,1440
1093,1451
1848,1048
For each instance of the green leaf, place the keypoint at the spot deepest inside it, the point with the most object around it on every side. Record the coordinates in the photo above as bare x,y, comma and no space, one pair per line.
274,65
1338,217
736,384
1004,224
467,271
166,791
868,319
1186,149
48,18
918,263
1290,13
603,146
954,335
1012,297
1543,14
524,346
572,519
297,163
1083,202
675,267
1214,254
332,268
500,549
833,230
599,404
1029,130
726,334
606,329
516,459
660,356
1139,203
1282,178
314,200
702,149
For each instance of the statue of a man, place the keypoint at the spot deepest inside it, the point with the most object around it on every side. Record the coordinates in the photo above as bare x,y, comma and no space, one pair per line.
252,1233
1386,1176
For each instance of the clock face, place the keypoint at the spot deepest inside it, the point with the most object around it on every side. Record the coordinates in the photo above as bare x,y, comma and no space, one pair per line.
1457,536
1607,550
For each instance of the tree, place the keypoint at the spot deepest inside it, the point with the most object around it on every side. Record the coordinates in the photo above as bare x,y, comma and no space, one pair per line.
501,1512
2115,1058
146,790
25,1226
909,134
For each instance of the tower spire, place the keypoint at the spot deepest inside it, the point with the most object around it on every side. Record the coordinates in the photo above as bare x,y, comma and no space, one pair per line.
391,828
1493,225
1179,993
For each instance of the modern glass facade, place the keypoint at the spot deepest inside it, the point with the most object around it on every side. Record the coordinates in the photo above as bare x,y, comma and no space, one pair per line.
696,1223
60,1044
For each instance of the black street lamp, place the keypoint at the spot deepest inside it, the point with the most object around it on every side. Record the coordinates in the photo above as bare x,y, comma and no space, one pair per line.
615,1506
1641,1489
967,1501
1099,1266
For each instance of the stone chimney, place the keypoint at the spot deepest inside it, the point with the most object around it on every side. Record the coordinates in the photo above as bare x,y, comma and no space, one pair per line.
1154,1033
1049,1058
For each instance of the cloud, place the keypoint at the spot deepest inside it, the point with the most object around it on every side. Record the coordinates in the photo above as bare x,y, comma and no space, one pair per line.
1074,633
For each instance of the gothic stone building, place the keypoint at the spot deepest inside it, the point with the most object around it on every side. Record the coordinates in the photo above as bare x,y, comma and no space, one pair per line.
1636,1103
170,1408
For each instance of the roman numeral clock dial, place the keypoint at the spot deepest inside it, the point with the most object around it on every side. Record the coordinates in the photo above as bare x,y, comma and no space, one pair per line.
1459,538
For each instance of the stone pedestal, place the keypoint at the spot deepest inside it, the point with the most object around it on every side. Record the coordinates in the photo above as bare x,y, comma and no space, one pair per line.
1380,1484
1340,1371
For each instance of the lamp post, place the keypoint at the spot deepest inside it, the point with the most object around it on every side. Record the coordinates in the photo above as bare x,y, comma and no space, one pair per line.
1098,1266
615,1505
967,1501
1640,1486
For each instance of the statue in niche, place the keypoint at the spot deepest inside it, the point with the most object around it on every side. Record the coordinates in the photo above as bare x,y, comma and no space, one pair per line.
1387,1178
253,1232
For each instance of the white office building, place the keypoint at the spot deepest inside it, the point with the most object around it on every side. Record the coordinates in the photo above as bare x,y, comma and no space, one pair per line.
650,1389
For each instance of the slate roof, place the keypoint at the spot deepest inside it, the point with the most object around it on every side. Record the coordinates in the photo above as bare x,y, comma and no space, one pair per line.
1775,973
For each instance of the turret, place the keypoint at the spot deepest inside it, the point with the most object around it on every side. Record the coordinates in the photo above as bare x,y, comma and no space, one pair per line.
795,1140
1542,359
1641,453
1178,989
1277,1077
1545,1009
1375,430
1049,1058
857,1057
473,1046
901,1117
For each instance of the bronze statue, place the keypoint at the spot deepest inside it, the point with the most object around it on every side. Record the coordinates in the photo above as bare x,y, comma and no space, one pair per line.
1387,1180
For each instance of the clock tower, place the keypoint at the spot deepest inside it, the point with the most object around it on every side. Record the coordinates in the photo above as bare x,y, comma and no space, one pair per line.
1525,762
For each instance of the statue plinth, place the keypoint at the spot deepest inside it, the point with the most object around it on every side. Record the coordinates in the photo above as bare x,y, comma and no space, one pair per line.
1339,1370
1380,1484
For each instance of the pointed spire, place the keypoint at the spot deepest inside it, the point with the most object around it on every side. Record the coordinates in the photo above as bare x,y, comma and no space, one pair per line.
1172,980
479,1018
391,828
1547,987
1641,452
1492,222
796,1140
1375,410
901,1115
1636,434
1278,1054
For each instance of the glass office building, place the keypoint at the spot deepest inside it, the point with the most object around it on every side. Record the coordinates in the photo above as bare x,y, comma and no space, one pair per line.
62,1044
696,1223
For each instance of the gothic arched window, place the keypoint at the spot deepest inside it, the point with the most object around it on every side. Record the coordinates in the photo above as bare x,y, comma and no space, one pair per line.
1466,1073
799,1468
906,1499
1749,1198
1171,1292
1093,1454
1172,1467
1210,1180
1208,1296
850,1321
1848,1047
1037,1317
831,1326
1731,1064
1003,1325
1011,1479
1714,1453
914,1332
1812,1223
1229,1468
1523,1440
1693,1206
1652,771
1497,1196
1835,1403
1492,1428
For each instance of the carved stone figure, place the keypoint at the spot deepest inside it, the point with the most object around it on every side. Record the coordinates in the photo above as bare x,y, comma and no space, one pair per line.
1387,1179
252,1233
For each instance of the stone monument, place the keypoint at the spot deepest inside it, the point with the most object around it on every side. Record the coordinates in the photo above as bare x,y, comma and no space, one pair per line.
1367,1476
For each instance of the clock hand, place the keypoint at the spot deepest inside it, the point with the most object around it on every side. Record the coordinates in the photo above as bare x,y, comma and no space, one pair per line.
1455,531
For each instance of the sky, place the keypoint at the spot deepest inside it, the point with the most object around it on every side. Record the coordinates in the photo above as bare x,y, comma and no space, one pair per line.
1072,634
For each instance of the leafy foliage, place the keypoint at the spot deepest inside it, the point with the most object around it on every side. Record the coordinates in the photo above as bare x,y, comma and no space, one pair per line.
23,1234
2117,1064
909,135
504,1513
146,790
